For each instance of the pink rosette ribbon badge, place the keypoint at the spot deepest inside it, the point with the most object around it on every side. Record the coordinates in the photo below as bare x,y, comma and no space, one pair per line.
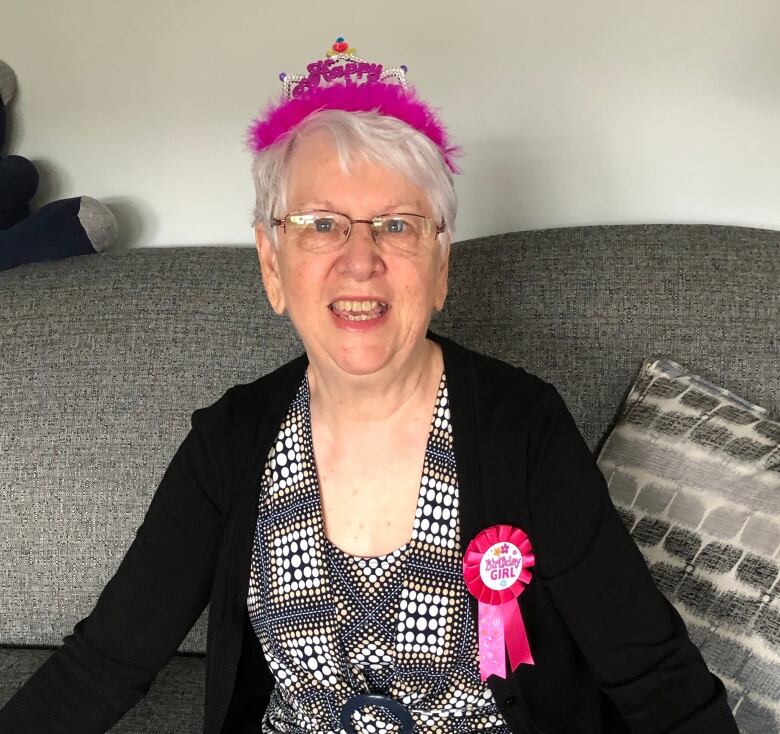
496,570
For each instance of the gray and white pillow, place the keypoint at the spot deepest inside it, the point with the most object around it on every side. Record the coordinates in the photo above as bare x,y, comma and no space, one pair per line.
694,472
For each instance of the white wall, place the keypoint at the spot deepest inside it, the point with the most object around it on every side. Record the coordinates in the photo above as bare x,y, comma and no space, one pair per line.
609,111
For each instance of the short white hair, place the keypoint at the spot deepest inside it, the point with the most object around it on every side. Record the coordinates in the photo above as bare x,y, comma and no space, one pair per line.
380,139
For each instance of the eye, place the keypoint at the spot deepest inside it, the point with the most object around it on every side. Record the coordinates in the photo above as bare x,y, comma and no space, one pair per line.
396,226
325,225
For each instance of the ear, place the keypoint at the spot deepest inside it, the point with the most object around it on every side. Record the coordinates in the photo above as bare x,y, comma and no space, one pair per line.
269,267
442,275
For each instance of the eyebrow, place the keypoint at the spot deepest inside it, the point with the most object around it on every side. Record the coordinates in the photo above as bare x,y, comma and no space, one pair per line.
326,205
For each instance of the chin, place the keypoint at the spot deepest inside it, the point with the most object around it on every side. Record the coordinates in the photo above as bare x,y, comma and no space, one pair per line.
361,361
366,352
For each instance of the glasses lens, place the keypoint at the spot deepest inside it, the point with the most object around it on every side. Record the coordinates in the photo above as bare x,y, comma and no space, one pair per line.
318,231
406,232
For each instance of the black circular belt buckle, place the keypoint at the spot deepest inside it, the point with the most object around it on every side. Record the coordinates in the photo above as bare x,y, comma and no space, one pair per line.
375,699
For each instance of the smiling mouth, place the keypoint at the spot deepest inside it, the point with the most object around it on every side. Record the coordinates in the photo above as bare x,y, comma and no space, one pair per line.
359,310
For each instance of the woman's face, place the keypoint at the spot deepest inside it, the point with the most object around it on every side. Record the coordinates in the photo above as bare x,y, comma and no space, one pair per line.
319,290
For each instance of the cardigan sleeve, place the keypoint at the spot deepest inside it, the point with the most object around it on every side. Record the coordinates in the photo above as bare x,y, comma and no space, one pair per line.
160,588
633,639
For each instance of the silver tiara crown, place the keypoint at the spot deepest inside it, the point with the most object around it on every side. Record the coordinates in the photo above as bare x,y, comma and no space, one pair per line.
341,65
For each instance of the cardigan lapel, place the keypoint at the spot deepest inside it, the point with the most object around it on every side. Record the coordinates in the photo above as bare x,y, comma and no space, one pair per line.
473,514
490,482
487,442
226,622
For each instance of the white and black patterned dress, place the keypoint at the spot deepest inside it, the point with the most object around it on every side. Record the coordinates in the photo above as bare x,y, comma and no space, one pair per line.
333,625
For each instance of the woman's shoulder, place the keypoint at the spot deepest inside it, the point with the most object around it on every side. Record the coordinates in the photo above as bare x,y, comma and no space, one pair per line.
251,401
234,428
496,380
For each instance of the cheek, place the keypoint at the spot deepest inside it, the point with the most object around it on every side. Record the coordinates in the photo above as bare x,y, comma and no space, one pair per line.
302,283
437,276
421,286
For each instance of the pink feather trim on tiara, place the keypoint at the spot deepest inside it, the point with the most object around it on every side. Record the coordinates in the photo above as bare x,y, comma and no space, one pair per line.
387,99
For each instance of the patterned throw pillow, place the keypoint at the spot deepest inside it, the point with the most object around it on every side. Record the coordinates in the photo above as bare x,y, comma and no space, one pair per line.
694,472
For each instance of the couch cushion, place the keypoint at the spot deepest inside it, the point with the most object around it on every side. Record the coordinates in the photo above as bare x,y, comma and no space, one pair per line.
174,704
103,360
583,306
694,471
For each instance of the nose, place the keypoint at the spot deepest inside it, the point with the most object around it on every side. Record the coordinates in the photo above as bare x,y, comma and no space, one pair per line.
360,256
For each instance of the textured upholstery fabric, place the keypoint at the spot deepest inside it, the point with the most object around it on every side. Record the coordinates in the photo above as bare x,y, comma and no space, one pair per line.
104,357
584,306
174,704
695,473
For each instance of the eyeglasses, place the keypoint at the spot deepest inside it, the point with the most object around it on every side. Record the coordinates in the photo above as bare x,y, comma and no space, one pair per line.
323,231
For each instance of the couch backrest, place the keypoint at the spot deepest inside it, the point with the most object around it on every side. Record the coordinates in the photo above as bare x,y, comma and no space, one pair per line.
103,358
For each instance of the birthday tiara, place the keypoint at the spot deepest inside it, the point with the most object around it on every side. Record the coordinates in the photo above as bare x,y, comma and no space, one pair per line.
344,81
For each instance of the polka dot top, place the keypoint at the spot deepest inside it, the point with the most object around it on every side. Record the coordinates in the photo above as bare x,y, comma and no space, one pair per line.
332,625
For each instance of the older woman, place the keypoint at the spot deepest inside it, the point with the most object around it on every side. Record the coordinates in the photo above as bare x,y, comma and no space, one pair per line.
363,520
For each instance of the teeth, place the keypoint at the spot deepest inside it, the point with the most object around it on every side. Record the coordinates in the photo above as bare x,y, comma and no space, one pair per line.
358,310
357,306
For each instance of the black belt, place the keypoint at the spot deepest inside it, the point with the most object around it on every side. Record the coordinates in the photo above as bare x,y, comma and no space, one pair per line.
375,699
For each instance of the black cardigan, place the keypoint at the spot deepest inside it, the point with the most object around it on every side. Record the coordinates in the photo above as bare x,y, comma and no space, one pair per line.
612,655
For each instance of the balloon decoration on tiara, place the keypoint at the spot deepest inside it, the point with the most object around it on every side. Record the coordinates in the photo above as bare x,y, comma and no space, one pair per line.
344,81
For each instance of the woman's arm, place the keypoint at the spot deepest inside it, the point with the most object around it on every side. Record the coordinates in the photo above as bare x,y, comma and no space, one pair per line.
160,588
634,640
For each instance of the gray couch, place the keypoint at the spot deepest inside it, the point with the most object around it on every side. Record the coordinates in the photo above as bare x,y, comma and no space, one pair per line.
103,358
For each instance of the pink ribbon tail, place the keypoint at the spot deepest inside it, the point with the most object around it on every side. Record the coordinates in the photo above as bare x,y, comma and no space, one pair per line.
514,632
492,660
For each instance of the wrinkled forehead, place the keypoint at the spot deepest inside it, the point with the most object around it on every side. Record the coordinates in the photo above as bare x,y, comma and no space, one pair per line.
321,173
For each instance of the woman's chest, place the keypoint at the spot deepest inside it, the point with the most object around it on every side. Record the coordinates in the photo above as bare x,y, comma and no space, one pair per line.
368,503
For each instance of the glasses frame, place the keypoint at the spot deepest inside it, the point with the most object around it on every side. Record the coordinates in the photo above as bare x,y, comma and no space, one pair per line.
440,228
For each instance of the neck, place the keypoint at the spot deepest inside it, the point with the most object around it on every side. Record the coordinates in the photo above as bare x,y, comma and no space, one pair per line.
342,400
